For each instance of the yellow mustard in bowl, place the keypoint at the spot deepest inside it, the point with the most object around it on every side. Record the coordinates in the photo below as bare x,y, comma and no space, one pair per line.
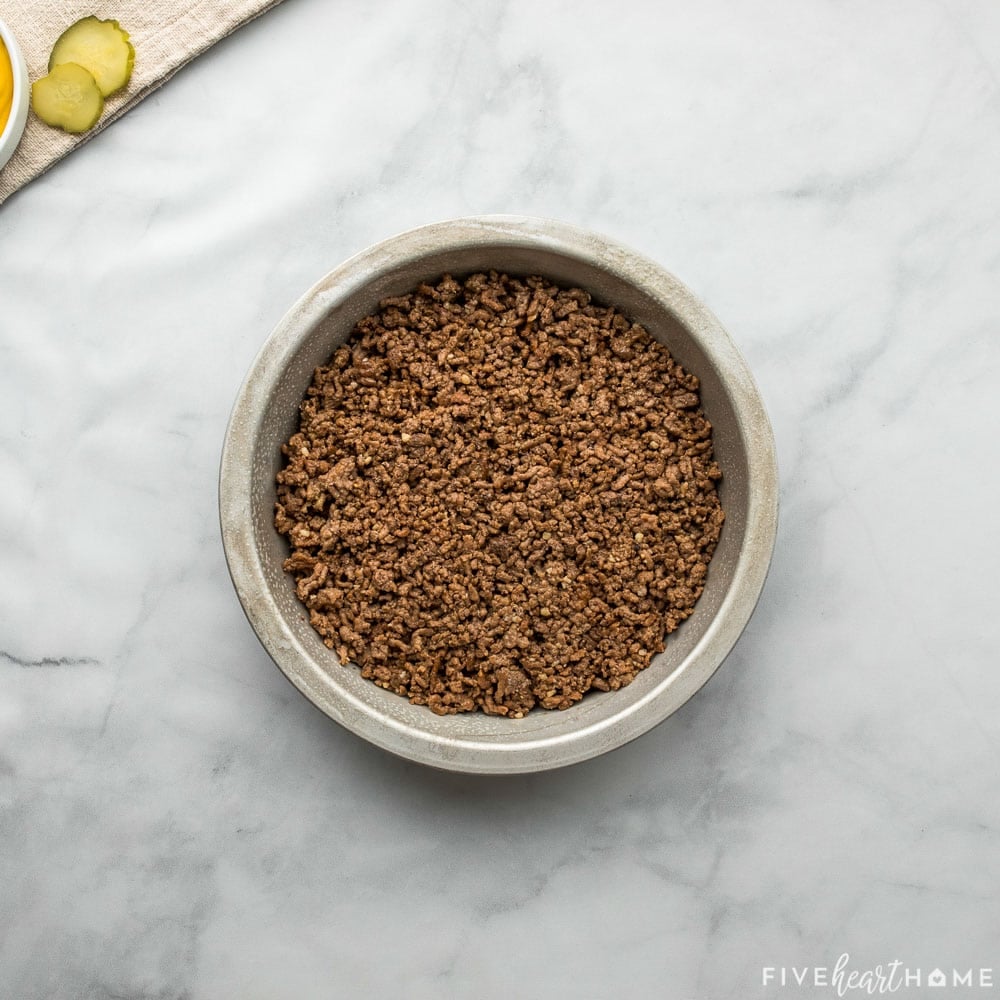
6,85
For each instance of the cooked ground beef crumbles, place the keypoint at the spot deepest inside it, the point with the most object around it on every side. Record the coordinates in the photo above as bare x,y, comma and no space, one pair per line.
501,495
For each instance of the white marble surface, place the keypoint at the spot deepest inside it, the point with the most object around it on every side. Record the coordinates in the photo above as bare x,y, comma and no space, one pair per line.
177,822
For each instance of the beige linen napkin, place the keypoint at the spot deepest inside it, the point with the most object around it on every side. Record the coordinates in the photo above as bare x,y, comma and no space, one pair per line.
166,35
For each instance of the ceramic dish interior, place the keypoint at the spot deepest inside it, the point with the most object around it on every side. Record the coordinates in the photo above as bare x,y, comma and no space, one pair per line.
10,135
266,413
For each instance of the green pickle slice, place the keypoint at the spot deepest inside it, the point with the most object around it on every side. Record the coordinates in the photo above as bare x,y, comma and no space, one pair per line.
102,47
68,98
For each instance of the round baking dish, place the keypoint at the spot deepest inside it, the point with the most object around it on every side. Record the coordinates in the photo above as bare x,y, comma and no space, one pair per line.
266,414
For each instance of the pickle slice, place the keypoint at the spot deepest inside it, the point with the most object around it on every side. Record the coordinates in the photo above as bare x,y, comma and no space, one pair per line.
99,46
68,98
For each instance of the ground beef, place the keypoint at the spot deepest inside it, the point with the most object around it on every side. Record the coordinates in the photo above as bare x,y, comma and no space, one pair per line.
501,495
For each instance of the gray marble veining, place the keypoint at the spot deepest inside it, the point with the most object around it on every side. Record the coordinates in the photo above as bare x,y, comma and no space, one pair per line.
177,822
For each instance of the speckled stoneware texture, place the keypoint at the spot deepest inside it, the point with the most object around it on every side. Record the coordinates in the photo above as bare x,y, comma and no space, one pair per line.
265,415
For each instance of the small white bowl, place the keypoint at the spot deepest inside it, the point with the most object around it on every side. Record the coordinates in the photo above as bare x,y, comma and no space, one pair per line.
12,130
